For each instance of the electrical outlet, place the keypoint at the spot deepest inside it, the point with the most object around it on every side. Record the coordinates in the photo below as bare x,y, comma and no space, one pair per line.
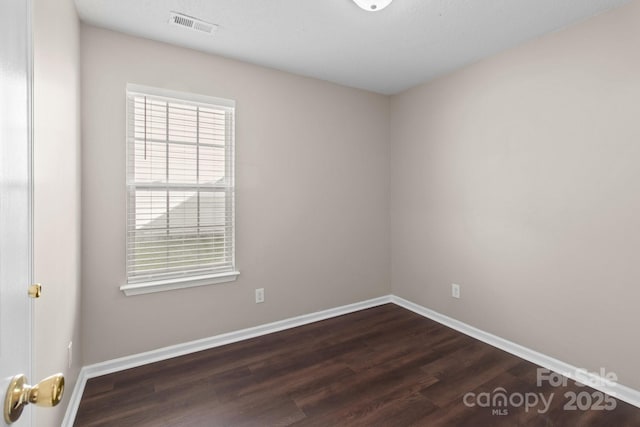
259,295
455,290
70,353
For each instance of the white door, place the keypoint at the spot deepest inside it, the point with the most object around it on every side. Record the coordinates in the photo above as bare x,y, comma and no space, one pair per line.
15,196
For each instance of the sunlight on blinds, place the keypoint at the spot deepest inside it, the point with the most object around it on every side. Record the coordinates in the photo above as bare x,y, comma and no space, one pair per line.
180,189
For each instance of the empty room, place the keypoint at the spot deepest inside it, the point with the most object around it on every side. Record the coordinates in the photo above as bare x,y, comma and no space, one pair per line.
320,213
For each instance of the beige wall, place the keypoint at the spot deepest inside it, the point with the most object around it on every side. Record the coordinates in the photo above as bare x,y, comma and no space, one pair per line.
56,173
312,196
519,179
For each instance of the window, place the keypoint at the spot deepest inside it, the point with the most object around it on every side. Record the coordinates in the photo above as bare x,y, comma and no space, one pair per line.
180,190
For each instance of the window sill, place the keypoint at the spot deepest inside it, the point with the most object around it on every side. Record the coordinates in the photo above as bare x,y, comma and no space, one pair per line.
173,284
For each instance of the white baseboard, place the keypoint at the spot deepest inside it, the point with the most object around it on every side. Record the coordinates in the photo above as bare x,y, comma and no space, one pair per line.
618,391
76,397
140,359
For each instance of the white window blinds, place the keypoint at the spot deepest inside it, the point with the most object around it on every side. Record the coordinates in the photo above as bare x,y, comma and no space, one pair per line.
180,185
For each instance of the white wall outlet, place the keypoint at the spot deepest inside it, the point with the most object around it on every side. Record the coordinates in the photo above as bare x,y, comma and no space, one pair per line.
70,353
259,295
455,290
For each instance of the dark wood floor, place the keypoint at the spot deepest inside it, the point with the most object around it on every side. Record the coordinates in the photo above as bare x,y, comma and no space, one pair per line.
384,366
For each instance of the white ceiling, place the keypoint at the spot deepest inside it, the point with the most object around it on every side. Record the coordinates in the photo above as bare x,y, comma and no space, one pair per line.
409,42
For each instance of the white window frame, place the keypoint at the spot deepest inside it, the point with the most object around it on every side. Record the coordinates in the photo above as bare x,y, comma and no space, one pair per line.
151,285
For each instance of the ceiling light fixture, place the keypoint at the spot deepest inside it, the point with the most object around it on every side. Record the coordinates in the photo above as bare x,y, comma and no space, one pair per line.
373,5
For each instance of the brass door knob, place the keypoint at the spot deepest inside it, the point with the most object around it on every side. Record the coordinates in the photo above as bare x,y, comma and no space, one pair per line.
47,392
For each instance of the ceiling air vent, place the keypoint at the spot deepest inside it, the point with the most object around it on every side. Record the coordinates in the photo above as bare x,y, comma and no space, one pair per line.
192,23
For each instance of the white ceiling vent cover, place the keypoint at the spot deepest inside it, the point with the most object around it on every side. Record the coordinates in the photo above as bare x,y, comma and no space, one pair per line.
192,23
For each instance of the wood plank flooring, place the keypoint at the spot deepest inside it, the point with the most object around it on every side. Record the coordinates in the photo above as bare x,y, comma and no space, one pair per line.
384,366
